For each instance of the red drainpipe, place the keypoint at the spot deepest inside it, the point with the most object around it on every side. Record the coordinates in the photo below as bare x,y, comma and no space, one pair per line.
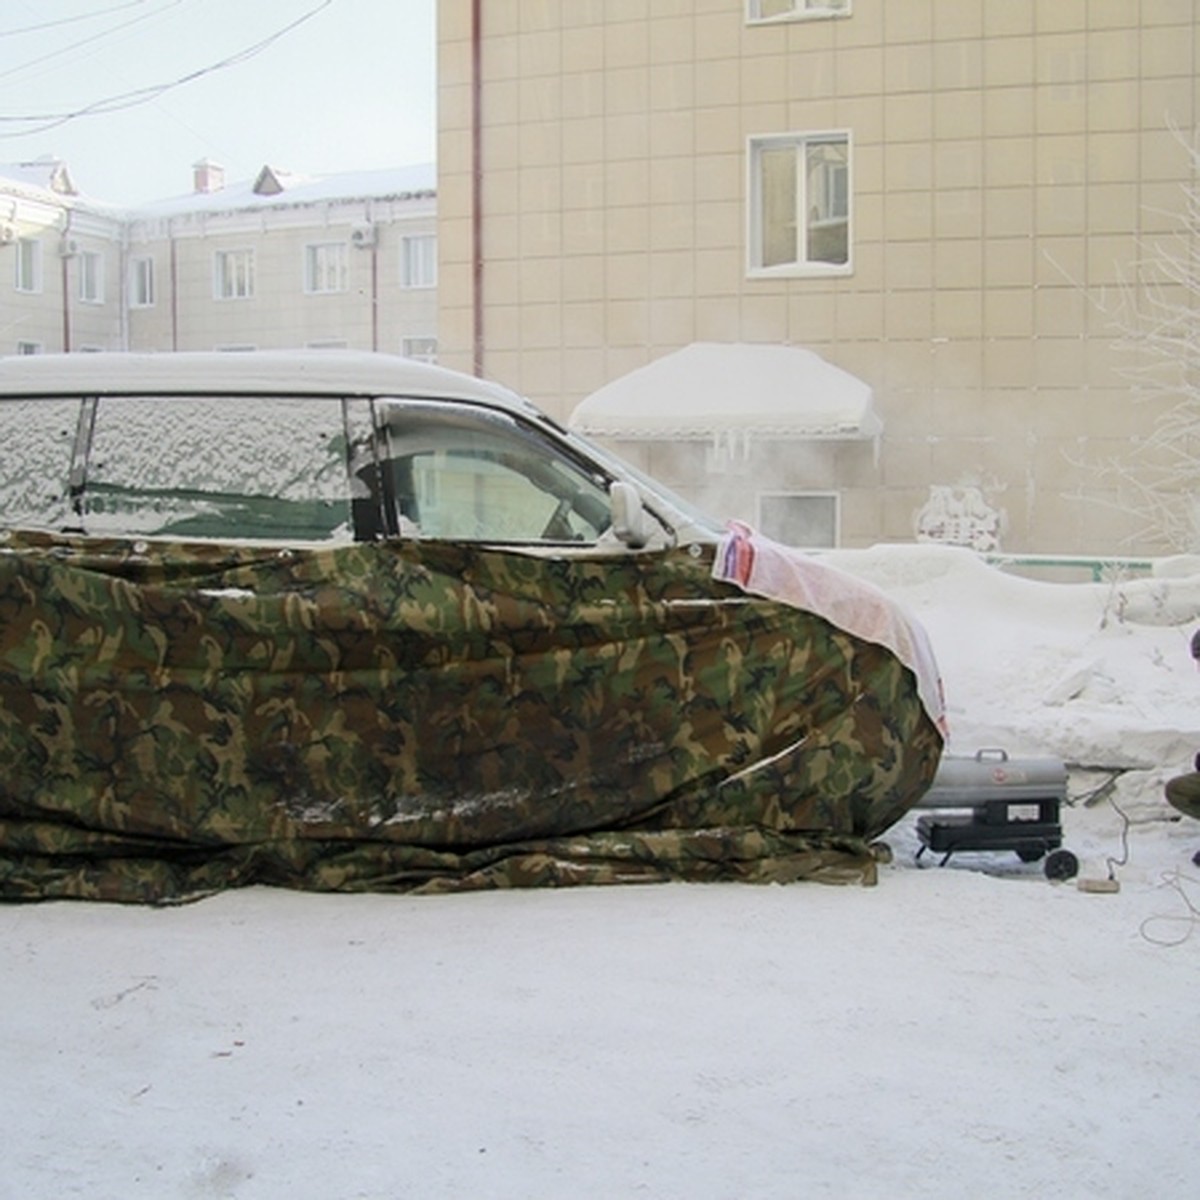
64,260
477,182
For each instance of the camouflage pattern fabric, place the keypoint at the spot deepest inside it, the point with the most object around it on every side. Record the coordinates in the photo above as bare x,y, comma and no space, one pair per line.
180,718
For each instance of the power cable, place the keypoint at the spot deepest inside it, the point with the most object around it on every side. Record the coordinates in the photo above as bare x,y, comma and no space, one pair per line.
87,41
126,100
88,16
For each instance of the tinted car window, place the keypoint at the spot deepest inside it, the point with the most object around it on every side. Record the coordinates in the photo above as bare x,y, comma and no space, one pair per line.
221,467
470,474
36,437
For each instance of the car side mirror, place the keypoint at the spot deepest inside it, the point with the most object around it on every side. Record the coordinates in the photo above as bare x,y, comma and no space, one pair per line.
628,516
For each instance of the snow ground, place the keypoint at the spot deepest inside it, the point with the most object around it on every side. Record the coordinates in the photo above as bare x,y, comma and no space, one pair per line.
966,1030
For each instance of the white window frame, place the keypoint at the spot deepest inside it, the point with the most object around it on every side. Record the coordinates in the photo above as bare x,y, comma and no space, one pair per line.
27,273
326,268
91,277
420,348
804,265
29,348
233,274
141,281
418,260
805,495
765,12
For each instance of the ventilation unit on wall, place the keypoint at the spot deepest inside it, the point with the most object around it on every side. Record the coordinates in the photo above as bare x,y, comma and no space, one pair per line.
8,233
362,236
68,247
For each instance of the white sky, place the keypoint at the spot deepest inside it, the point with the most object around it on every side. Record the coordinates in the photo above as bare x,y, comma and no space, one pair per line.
350,88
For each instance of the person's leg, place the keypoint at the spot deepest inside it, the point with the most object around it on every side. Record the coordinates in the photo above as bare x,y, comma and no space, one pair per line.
1183,793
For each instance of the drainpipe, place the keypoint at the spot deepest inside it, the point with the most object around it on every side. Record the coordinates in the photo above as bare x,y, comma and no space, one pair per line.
64,263
477,182
174,254
375,294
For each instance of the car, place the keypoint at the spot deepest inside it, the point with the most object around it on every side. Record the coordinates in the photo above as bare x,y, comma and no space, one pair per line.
345,621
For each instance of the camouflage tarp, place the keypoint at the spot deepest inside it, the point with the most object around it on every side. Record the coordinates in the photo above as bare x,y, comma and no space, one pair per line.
177,719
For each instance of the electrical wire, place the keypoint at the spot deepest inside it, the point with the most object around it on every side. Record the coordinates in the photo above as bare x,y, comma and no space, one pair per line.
126,100
87,41
1190,918
88,16
1114,863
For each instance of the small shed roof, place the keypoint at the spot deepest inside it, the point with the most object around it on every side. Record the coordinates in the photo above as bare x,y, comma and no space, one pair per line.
711,390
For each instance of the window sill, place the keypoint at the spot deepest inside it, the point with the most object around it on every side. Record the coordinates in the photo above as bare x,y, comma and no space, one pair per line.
801,271
822,14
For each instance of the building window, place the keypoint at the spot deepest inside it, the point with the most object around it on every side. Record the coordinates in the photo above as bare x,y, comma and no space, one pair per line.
800,204
141,282
29,347
325,267
233,274
423,349
795,10
91,277
29,265
808,520
418,267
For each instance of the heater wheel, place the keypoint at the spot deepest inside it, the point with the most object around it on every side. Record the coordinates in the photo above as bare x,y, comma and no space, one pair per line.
1060,865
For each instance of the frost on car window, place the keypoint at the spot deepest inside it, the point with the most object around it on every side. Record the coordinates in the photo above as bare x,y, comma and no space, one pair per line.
36,437
229,466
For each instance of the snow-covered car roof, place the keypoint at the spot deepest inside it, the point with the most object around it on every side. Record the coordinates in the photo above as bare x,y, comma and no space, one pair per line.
266,372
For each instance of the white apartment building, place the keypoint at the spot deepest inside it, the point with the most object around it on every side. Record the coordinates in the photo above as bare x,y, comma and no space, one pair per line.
939,197
276,262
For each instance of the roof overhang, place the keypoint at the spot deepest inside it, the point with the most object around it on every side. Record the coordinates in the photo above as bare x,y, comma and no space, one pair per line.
710,391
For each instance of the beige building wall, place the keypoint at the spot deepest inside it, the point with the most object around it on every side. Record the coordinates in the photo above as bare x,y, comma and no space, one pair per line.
376,308
60,277
1006,161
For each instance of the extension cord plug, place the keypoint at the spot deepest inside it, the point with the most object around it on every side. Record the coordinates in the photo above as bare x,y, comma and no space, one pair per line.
1099,885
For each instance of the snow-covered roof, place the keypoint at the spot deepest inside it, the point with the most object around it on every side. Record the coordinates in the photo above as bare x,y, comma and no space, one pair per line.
709,389
45,174
273,187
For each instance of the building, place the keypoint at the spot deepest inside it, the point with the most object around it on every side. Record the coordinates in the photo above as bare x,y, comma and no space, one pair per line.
940,197
64,252
277,262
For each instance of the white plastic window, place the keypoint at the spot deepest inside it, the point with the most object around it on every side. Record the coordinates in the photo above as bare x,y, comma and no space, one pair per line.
418,263
233,274
28,265
795,10
800,204
141,282
325,267
808,520
91,277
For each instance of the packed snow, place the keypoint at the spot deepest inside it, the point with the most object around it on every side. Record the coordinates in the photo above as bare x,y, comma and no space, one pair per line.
782,392
966,1030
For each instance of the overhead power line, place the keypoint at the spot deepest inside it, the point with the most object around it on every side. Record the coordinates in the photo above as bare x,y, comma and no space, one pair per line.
88,16
41,122
87,41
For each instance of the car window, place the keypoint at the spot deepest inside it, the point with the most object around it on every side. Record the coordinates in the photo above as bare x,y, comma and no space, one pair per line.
470,474
36,438
216,467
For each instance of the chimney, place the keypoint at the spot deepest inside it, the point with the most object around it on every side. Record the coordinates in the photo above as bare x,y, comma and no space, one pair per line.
207,176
